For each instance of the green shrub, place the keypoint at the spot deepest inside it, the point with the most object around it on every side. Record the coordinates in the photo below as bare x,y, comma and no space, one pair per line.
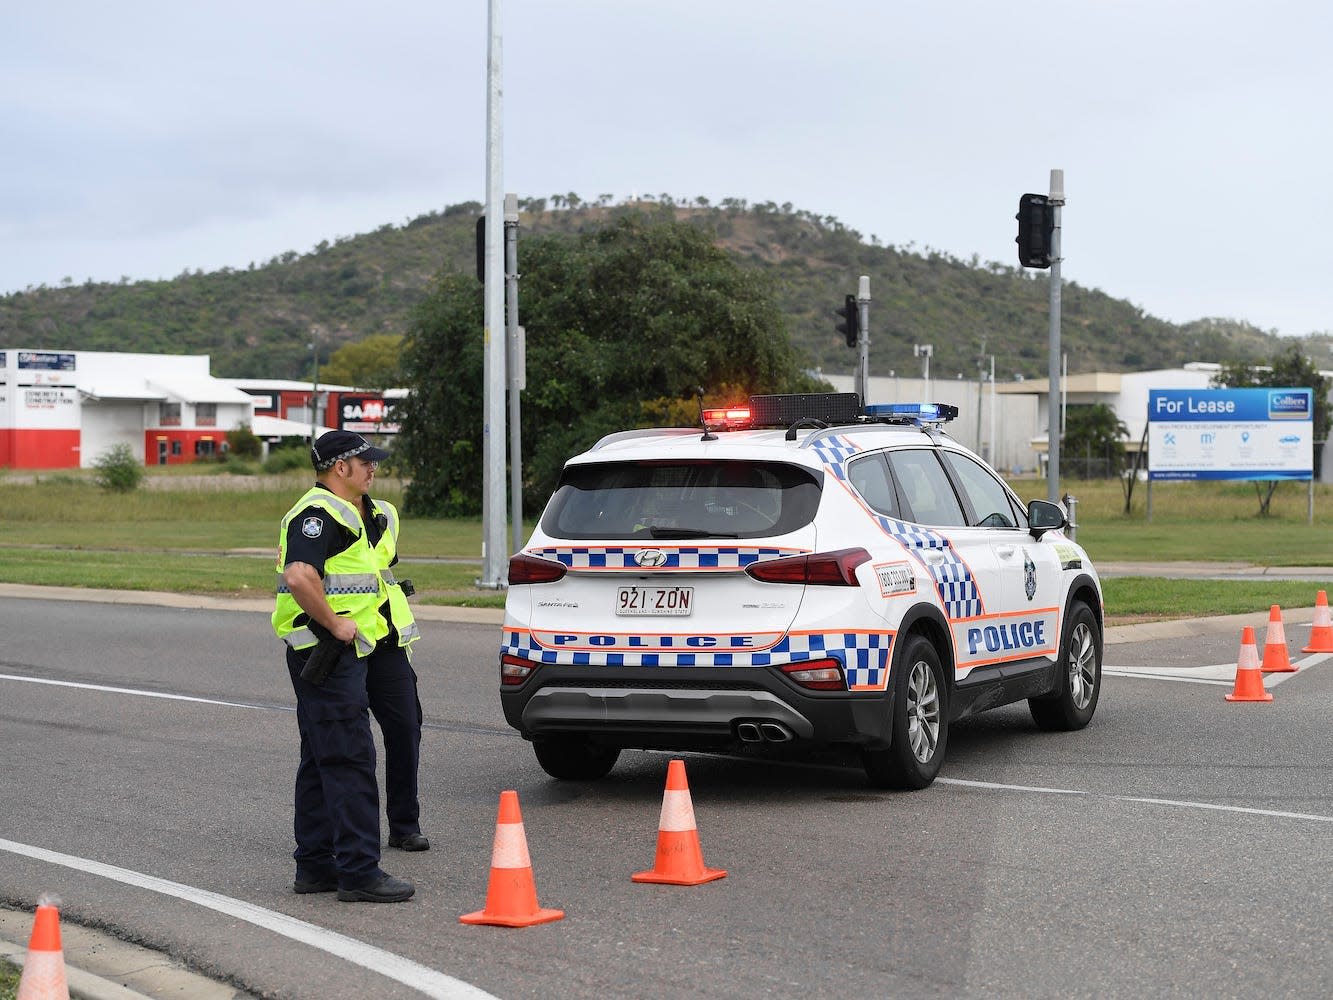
287,459
242,443
118,470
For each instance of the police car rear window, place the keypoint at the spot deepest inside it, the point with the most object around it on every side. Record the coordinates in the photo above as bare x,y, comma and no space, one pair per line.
682,499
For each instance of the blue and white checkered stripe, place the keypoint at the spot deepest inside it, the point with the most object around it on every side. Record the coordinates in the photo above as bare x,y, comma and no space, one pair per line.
834,452
865,655
684,557
953,580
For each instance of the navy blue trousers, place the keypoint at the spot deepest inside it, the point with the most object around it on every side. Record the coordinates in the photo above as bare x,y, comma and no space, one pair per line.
337,823
392,685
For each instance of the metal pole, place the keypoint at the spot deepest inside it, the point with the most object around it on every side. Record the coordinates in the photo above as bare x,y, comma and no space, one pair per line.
517,373
863,338
994,438
1053,364
493,347
314,385
981,390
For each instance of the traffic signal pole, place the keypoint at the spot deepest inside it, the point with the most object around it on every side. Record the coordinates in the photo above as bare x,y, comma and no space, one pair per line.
863,337
1053,381
493,555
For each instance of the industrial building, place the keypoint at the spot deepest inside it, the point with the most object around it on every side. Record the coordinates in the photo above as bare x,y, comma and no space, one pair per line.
62,409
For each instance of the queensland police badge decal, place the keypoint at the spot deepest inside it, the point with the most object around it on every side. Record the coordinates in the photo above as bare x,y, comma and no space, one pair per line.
1029,576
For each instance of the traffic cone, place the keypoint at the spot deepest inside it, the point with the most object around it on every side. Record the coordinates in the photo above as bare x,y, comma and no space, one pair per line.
1249,679
44,970
680,859
1321,633
511,897
1276,660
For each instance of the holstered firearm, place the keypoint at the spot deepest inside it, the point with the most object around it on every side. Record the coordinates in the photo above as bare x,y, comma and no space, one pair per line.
324,657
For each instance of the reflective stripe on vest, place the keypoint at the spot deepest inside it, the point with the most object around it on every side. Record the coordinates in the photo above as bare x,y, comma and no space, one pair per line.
303,636
342,583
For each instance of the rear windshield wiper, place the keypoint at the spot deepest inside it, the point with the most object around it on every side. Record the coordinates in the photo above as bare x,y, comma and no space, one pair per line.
657,532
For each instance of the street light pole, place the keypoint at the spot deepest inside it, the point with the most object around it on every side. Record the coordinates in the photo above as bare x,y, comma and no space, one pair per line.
314,384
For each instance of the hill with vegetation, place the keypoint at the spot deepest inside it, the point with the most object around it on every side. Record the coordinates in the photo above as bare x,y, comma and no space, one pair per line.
259,321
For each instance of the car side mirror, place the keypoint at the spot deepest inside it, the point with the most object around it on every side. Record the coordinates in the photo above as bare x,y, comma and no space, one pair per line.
1044,516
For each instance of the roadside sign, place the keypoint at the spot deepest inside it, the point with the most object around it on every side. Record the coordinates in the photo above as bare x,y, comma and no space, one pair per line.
1238,434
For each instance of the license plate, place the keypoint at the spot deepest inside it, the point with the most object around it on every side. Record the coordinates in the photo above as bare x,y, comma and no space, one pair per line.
655,601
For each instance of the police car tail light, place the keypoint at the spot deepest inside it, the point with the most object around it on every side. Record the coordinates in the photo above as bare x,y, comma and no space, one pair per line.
829,569
529,569
731,418
818,675
514,669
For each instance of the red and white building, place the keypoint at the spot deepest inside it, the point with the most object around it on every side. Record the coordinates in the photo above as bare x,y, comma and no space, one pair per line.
62,409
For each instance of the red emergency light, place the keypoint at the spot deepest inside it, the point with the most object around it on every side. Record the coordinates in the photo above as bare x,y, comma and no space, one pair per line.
732,418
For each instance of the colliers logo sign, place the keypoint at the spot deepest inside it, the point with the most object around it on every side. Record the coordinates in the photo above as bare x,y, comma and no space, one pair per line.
1287,405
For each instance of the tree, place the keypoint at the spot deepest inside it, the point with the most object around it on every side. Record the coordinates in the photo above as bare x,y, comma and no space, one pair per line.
1289,369
1095,438
372,363
617,319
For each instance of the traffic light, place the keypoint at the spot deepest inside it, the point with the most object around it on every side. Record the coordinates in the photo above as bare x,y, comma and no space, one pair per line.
481,248
1036,222
849,322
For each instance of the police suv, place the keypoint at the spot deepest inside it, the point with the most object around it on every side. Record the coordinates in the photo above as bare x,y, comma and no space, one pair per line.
801,572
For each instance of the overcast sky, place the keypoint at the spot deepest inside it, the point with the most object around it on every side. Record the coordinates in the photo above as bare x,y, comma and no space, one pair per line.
145,138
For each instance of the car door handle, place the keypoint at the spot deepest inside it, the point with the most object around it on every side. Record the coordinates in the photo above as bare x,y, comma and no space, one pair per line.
934,556
1005,551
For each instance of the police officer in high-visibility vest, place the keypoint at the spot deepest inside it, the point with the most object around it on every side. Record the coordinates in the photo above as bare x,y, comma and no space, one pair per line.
335,550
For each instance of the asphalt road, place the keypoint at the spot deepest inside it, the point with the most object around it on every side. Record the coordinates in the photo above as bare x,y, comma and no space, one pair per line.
1179,845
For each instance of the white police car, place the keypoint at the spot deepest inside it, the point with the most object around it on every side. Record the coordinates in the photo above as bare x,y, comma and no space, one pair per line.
852,577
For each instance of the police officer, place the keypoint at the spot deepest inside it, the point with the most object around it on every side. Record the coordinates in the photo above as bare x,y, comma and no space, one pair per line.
335,548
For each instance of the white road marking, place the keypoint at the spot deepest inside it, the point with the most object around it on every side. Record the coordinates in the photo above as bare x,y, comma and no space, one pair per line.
377,960
141,693
1178,803
1222,674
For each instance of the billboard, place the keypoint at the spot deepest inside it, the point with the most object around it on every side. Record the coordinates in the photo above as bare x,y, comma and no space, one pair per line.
1230,434
366,415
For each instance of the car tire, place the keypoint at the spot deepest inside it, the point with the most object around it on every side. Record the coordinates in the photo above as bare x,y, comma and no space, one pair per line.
1071,705
920,721
573,758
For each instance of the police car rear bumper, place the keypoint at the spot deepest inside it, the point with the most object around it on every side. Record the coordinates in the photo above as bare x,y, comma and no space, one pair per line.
640,707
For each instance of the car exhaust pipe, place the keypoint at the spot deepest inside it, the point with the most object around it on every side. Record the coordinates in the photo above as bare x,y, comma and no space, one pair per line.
749,732
775,732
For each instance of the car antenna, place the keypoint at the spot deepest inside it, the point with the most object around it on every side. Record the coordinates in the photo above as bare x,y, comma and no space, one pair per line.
699,391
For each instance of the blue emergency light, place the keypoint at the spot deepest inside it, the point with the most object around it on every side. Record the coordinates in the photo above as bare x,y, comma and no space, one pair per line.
928,413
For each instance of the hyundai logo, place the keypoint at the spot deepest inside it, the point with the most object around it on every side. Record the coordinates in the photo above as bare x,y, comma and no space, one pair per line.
650,558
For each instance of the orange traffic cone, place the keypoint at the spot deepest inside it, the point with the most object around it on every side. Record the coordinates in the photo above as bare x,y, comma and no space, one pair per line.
511,897
1276,660
44,970
680,859
1321,633
1249,679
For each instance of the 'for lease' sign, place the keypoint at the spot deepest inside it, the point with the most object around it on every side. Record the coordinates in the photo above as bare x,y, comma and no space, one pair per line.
1230,434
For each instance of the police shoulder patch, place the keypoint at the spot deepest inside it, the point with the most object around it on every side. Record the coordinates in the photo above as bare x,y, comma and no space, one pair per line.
312,527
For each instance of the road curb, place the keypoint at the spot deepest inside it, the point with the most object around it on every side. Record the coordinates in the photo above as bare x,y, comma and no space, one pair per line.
100,966
203,602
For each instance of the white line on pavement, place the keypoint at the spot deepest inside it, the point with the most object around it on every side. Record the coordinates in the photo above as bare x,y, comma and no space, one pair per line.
140,693
1178,803
385,963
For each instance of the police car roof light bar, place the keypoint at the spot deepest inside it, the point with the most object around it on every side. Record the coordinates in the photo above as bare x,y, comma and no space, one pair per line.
926,413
